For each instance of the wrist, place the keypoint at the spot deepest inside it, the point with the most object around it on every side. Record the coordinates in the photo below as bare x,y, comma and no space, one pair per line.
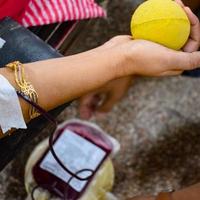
118,62
108,59
125,65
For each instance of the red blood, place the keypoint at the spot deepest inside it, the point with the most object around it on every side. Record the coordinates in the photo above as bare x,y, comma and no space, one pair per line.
58,186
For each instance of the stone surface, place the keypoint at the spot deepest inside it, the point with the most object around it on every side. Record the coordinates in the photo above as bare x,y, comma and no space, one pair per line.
157,124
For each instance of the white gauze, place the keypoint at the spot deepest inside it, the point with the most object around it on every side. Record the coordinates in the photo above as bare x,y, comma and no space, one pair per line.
10,110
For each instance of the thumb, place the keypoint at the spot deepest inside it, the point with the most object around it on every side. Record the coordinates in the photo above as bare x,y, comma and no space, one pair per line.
185,61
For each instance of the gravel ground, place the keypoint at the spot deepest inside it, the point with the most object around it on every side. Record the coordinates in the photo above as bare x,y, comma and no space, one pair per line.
157,125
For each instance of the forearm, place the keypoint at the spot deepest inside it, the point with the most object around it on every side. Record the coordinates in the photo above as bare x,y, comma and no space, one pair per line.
60,80
68,78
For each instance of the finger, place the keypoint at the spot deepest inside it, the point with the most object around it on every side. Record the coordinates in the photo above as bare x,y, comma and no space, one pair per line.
191,46
194,41
184,61
180,3
87,105
172,73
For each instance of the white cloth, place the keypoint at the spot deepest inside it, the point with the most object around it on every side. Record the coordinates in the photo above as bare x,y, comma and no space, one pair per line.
2,42
10,110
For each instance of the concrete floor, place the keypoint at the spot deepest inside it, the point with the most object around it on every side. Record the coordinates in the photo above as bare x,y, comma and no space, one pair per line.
157,124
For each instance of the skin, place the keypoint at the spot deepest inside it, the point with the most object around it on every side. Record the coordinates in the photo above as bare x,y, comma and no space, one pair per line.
60,80
193,192
101,101
77,75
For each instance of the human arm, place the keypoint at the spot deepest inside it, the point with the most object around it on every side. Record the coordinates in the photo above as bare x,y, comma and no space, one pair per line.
60,80
102,100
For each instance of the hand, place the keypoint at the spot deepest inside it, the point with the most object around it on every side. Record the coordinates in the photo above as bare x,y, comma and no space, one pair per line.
148,59
155,60
102,100
194,39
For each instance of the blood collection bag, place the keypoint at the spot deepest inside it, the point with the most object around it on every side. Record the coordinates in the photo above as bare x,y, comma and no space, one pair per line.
86,151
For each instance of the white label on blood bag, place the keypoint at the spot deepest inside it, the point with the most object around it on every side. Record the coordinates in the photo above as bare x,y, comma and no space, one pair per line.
76,153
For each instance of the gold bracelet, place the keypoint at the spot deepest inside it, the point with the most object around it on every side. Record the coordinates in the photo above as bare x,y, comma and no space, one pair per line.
25,87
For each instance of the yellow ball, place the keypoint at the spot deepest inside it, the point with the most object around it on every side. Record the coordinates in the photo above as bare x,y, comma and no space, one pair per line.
161,21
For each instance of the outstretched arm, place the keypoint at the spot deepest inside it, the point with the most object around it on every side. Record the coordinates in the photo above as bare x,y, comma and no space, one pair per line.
60,80
101,101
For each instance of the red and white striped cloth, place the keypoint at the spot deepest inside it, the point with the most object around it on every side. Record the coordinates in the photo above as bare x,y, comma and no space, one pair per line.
40,12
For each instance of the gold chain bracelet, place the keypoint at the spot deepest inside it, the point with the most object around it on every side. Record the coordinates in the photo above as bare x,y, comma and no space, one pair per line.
25,87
